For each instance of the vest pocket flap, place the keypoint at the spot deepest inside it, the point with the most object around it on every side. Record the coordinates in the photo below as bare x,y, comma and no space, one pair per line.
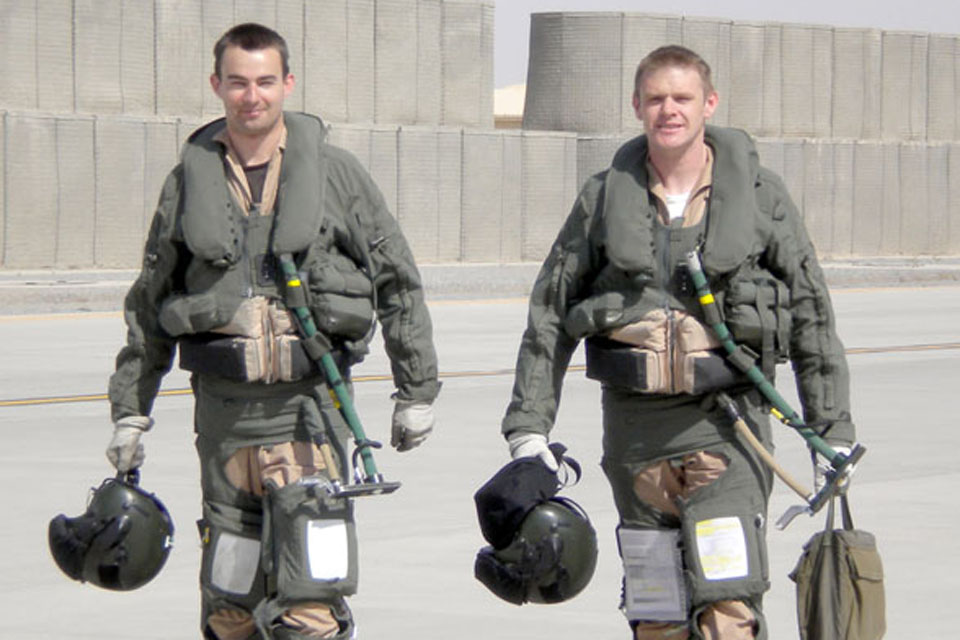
865,563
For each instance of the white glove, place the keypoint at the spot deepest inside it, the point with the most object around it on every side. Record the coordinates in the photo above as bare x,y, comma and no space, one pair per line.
412,423
125,451
524,445
821,466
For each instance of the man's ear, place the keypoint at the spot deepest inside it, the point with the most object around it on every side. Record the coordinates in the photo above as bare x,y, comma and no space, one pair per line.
712,101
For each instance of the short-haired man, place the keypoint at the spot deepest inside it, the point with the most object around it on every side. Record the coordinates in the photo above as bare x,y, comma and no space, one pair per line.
690,496
255,187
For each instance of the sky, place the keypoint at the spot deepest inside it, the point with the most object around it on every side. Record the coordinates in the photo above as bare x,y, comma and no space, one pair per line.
512,19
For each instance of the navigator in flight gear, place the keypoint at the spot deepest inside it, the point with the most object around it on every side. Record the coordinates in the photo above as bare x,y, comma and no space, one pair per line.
122,540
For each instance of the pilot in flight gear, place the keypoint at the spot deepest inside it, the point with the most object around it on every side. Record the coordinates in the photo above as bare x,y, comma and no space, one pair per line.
692,499
279,550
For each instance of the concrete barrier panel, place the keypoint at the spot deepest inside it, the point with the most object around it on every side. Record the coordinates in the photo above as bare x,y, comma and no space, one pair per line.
31,214
818,191
794,169
3,182
354,139
904,85
262,11
541,108
383,163
217,18
511,199
892,211
417,196
856,83
467,51
807,78
711,39
841,228
771,123
745,97
549,174
591,92
429,62
184,64
97,60
120,192
361,81
868,191
595,153
325,68
161,154
450,194
942,102
915,202
54,56
77,202
18,56
396,42
641,35
481,214
771,154
137,58
938,200
290,25
953,206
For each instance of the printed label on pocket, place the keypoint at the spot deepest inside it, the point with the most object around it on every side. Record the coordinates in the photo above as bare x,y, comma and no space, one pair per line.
722,548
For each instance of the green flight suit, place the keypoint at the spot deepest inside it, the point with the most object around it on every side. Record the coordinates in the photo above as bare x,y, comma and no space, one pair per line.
203,258
612,264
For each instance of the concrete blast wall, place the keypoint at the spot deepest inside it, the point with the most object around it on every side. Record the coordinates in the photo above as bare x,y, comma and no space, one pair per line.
84,194
392,61
774,79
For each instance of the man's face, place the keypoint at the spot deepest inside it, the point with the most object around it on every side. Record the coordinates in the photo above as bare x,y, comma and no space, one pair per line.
674,110
252,87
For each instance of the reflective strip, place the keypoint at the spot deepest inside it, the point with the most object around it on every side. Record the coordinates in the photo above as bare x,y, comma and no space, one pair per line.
707,299
327,549
235,562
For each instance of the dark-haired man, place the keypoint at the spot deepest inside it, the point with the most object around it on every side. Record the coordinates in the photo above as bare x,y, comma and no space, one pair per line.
692,499
261,184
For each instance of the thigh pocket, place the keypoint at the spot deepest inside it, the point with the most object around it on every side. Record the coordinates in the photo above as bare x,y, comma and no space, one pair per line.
725,552
310,543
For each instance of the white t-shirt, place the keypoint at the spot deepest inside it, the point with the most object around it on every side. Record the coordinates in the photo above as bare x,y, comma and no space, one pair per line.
676,204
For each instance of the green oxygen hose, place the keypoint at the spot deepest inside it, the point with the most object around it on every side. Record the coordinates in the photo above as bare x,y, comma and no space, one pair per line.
318,347
781,408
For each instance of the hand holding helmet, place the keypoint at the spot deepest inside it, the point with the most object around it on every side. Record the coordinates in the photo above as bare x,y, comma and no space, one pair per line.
125,451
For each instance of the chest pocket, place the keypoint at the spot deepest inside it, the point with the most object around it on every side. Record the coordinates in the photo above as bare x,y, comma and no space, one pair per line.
341,296
758,314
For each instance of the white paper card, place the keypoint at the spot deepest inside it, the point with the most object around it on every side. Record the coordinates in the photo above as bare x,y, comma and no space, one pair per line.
327,549
722,547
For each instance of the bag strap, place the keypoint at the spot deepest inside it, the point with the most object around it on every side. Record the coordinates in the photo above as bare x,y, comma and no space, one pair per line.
845,510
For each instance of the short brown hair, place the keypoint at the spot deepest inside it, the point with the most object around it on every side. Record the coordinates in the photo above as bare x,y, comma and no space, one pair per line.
673,55
251,36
